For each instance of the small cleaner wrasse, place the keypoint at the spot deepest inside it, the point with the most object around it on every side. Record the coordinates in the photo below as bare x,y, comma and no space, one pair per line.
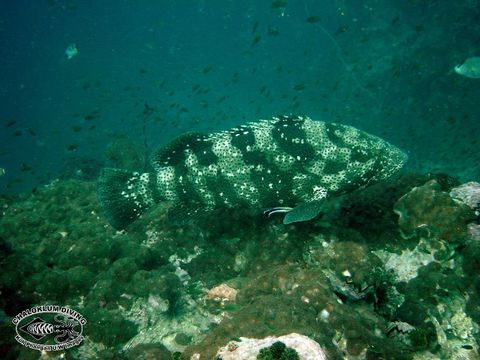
287,165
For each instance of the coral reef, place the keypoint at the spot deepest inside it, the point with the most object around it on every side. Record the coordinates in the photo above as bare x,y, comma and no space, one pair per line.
427,209
185,289
468,193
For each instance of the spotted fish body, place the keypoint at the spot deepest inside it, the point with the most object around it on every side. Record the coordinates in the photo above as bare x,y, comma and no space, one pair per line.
285,161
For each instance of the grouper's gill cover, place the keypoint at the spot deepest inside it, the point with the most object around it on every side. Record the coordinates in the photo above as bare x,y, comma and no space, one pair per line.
284,162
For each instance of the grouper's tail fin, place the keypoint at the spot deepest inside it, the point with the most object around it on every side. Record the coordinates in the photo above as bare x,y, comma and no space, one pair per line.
124,195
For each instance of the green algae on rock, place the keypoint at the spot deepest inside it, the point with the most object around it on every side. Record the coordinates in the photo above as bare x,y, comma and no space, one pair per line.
336,285
429,210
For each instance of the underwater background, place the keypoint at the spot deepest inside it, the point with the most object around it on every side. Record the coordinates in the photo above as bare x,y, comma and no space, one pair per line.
390,273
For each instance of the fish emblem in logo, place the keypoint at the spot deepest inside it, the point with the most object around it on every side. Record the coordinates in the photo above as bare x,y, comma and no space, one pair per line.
49,328
64,329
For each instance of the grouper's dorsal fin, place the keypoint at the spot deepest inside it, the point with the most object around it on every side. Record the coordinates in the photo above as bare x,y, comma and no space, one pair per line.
304,212
173,153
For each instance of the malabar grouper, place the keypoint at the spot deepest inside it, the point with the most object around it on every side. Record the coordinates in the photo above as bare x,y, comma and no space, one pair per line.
287,164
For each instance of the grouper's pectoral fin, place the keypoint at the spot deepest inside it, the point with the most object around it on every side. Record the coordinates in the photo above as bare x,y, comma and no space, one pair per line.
302,212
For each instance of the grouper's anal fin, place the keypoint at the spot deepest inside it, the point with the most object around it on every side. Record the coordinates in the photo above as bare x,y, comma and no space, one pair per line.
124,195
304,212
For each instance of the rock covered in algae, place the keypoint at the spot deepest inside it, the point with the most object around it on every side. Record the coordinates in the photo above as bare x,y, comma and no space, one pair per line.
430,211
468,193
64,253
143,290
249,349
285,299
222,293
473,232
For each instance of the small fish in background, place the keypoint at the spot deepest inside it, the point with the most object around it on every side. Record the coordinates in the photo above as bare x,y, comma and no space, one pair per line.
256,40
272,31
255,27
2,171
71,51
207,69
26,167
470,68
278,7
72,147
313,19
